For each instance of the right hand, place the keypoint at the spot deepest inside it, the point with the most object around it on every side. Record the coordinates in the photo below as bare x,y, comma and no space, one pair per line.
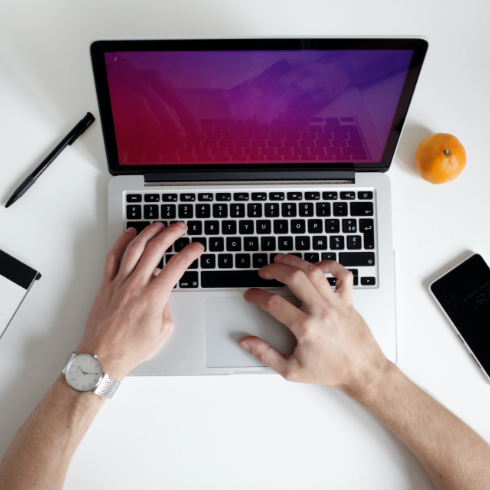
335,346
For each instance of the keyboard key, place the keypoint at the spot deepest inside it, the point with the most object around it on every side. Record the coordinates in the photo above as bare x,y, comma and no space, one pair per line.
312,196
306,209
303,243
329,256
205,197
251,244
357,259
332,226
194,265
347,195
263,227
268,243
150,211
295,196
368,281
330,196
259,196
194,227
152,197
180,243
208,261
216,244
298,226
323,209
235,279
337,243
220,210
201,240
271,210
203,211
312,257
361,209
168,257
187,197
354,242
189,280
315,226
233,244
319,243
364,195
285,243
259,260
228,227
211,227
242,261
340,209
332,281
349,225
276,196
133,211
169,197
133,198
254,210
281,226
168,211
186,211
223,196
139,225
289,209
241,196
246,227
225,261
366,227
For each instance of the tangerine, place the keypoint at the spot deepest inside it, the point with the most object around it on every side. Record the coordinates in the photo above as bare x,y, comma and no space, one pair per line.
440,158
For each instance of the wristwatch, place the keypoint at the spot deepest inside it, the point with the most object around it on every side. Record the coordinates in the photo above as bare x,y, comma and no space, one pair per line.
83,372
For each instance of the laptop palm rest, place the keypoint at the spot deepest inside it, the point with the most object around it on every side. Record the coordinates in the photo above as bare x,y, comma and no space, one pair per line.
228,320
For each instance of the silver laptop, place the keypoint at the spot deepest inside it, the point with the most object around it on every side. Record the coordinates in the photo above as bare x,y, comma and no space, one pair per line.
261,147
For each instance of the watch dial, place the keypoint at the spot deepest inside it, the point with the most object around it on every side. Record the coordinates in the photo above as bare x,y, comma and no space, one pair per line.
84,372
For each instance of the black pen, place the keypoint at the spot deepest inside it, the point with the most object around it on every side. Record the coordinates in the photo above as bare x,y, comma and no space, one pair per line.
67,140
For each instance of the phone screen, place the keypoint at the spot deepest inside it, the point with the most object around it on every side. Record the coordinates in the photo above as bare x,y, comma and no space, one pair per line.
464,294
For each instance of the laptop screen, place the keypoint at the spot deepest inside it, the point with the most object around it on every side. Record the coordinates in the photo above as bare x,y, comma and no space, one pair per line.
266,107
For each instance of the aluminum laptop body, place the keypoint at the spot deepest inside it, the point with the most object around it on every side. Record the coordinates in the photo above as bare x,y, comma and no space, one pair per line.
287,138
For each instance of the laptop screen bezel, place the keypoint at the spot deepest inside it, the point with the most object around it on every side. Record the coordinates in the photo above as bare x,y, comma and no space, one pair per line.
99,48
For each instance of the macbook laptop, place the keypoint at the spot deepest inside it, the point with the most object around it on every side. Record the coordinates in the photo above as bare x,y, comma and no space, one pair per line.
262,146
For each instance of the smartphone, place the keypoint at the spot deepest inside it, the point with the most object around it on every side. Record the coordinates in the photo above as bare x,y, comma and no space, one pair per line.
464,295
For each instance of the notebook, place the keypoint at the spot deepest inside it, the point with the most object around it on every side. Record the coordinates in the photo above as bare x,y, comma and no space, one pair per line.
262,146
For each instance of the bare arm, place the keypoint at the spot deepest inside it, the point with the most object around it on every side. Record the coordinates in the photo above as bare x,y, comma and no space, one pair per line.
129,322
336,348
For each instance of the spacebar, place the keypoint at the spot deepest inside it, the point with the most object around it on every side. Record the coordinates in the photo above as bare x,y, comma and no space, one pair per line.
235,279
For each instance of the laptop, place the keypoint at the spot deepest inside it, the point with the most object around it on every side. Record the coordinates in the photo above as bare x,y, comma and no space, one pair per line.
262,146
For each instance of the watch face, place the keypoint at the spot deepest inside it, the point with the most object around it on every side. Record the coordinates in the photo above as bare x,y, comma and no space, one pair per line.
84,372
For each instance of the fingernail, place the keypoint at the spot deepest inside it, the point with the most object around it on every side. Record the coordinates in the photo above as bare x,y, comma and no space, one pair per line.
279,257
200,244
245,346
159,224
182,224
130,229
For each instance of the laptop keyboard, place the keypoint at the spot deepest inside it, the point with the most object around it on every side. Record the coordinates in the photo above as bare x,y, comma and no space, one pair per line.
243,230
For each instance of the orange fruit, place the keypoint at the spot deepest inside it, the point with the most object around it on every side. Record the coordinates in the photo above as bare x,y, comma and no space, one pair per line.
440,158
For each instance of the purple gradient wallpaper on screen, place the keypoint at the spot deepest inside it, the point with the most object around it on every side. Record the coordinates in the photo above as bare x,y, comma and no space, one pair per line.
225,107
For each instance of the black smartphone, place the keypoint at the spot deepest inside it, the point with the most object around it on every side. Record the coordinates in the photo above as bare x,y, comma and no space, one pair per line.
464,295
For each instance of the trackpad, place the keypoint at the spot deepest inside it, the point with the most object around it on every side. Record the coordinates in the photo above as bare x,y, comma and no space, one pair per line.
228,320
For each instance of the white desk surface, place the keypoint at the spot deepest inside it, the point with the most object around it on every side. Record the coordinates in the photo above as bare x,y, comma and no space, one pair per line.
246,431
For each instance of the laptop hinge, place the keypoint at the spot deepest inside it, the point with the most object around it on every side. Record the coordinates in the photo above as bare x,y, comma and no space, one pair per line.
237,177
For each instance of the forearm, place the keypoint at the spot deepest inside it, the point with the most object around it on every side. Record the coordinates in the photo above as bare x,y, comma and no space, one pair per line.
41,452
453,455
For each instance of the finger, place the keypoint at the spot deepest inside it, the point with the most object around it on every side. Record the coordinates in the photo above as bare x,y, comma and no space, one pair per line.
113,258
155,248
297,281
135,249
175,268
266,354
314,274
278,307
345,278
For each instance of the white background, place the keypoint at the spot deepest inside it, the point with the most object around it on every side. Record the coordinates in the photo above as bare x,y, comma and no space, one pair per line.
246,431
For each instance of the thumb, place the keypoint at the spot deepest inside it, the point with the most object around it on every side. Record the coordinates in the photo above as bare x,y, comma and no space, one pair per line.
265,354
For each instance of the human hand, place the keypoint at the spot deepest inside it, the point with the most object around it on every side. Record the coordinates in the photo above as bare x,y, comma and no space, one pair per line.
335,346
130,318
